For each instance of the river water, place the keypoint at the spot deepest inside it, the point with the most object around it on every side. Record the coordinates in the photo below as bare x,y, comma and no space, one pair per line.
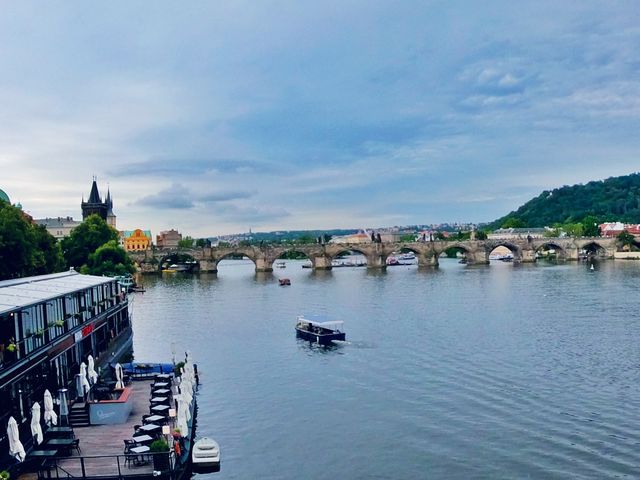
496,372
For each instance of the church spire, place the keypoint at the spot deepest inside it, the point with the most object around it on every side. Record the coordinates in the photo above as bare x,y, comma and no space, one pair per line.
94,196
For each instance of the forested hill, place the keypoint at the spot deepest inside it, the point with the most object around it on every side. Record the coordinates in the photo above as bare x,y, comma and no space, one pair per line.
613,199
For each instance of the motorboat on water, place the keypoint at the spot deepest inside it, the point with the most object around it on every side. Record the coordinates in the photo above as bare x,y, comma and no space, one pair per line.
206,453
281,264
407,257
319,329
126,282
284,281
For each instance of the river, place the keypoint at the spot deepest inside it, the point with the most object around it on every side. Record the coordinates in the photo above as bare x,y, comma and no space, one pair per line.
498,372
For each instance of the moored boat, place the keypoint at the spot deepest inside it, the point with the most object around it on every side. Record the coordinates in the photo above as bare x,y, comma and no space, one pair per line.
319,330
206,453
284,281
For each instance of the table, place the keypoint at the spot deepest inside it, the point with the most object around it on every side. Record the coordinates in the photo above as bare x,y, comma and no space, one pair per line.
43,453
164,376
139,460
59,432
160,408
142,438
159,399
160,385
63,442
150,427
154,418
161,391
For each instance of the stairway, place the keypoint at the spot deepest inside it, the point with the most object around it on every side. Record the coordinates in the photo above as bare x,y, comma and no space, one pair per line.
79,415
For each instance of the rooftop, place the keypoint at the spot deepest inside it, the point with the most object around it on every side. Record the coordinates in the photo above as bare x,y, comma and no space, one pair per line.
22,292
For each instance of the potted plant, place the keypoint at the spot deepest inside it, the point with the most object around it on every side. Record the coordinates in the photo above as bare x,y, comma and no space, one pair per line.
59,323
177,433
160,450
4,475
12,347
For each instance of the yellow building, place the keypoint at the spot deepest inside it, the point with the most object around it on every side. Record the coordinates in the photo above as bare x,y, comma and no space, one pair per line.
136,240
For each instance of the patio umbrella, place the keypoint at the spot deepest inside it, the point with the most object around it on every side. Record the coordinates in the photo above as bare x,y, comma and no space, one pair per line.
36,428
64,406
91,371
50,417
83,378
119,376
181,419
15,446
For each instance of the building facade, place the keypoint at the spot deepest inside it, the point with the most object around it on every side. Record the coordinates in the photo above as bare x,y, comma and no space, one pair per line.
136,240
49,324
59,227
168,239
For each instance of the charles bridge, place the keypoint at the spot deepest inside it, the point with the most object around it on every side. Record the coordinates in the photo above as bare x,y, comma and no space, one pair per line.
321,256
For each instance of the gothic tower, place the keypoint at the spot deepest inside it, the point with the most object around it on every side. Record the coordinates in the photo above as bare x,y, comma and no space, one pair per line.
95,204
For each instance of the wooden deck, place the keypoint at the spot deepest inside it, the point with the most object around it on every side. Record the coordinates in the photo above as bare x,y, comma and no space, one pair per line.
109,440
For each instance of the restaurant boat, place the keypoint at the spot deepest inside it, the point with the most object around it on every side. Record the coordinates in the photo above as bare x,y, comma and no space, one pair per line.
319,329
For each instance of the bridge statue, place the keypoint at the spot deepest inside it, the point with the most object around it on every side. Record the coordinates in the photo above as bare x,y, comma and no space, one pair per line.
321,256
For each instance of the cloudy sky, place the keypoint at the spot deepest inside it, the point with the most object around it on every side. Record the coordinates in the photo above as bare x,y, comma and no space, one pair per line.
217,117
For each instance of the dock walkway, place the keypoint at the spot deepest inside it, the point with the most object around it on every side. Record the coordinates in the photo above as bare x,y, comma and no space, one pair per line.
109,440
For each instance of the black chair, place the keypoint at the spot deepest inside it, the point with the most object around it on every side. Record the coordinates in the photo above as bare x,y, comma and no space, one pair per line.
136,428
76,445
129,457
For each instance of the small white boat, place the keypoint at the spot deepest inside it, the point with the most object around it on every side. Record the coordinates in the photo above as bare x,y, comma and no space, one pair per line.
281,264
206,453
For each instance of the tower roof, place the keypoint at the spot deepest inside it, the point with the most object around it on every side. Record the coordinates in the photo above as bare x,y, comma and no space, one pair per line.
4,196
94,196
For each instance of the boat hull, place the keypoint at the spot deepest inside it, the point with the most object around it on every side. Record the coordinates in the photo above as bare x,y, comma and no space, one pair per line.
320,338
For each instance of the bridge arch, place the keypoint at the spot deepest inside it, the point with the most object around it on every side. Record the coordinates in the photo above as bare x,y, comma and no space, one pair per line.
592,249
229,255
349,250
550,250
516,251
180,261
294,253
453,250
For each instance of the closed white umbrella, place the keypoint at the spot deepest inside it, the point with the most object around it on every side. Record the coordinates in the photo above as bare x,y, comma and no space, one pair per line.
91,371
83,378
36,428
50,417
15,446
181,419
119,376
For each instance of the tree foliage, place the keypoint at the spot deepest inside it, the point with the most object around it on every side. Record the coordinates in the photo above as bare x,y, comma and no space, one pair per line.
109,259
25,249
85,239
616,198
186,242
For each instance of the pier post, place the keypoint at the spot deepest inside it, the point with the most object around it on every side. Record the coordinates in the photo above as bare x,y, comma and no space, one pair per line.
264,265
208,266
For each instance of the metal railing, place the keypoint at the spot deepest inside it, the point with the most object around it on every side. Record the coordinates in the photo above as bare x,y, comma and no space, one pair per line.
122,466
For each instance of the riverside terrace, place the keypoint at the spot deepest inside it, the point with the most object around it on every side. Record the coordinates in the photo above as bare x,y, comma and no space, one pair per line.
427,252
122,450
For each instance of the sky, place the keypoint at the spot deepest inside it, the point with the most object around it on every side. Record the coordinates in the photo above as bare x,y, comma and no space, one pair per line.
217,117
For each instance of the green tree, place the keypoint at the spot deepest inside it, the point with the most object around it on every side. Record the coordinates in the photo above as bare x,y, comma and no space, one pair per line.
481,235
408,237
626,239
513,222
590,226
109,259
85,239
186,242
201,242
25,249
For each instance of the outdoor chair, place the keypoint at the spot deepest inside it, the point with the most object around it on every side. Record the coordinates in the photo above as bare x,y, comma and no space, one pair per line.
76,445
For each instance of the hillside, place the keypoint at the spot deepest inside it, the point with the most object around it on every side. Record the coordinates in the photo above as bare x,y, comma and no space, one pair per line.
616,198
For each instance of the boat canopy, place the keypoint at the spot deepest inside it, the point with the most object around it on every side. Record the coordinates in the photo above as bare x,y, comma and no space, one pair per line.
320,321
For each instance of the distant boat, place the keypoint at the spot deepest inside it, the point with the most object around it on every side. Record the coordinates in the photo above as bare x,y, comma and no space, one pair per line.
284,281
318,330
592,268
280,264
